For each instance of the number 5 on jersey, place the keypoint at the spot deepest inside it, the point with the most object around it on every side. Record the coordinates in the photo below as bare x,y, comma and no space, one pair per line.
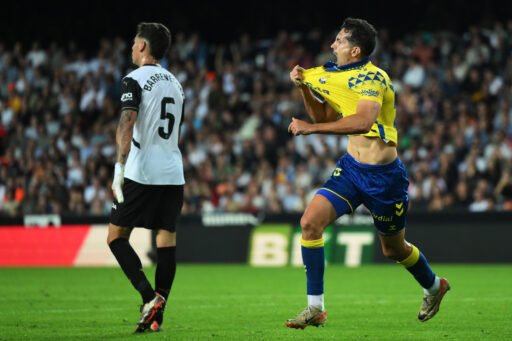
164,115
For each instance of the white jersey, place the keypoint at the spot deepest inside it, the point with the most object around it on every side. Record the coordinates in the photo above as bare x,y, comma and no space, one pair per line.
158,98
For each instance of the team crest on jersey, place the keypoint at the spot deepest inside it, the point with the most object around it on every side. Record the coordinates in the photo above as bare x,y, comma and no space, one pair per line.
127,96
322,80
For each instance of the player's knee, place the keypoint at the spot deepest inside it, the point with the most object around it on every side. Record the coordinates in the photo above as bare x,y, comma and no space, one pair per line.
393,253
111,238
165,238
310,228
115,232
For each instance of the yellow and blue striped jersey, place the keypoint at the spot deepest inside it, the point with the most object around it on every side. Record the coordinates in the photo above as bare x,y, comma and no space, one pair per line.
344,86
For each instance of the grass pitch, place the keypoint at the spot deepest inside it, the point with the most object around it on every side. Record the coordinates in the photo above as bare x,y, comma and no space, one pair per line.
236,302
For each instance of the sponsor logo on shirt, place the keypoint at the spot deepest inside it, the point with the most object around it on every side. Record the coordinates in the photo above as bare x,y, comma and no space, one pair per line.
317,88
127,96
370,93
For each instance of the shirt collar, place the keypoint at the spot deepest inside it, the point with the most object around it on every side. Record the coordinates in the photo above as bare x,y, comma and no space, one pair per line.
331,66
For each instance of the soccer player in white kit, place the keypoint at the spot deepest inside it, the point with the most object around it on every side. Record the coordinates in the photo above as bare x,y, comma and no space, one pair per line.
148,179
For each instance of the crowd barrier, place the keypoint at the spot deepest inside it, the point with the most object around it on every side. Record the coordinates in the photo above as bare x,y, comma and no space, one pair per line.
273,240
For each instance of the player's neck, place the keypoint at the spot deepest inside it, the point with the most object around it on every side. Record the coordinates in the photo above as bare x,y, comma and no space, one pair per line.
353,60
148,60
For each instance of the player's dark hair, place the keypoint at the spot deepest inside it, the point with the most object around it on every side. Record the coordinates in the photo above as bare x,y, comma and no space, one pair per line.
362,34
157,35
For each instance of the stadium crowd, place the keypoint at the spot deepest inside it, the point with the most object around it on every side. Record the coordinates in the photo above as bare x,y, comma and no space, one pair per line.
59,109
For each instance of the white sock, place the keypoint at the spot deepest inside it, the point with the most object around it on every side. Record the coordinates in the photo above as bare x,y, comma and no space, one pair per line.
316,301
434,289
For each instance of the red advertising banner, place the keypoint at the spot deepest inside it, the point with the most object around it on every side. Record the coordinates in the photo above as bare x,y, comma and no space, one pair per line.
66,245
35,246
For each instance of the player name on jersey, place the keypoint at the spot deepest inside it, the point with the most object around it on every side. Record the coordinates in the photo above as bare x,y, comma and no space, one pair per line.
155,78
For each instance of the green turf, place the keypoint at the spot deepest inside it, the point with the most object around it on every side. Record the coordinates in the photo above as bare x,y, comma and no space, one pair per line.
224,302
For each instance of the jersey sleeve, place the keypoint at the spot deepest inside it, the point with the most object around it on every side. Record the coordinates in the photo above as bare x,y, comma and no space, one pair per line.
130,94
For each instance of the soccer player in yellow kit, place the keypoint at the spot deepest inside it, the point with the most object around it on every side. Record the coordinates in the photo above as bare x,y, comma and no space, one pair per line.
354,97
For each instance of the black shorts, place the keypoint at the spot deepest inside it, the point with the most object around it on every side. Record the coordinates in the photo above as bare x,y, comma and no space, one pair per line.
150,206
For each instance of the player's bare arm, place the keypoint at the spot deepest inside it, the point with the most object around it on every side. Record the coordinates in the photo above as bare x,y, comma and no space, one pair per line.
360,123
124,134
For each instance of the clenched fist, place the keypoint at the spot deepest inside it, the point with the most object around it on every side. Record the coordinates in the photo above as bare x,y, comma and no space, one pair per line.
299,127
296,75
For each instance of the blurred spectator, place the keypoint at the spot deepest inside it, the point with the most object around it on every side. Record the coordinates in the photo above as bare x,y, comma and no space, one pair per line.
59,111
